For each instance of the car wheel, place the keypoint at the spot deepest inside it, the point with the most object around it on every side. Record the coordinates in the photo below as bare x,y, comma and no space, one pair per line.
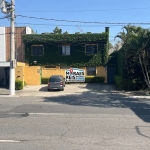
48,89
63,89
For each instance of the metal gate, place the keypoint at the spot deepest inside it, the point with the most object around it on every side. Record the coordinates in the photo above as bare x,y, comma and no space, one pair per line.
111,71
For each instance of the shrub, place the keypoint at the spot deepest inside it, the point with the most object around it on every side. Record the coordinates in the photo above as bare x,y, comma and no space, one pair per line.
18,85
88,79
124,84
119,82
129,85
45,80
91,79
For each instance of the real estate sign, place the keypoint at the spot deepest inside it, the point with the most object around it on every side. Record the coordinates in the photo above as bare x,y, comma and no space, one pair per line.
75,75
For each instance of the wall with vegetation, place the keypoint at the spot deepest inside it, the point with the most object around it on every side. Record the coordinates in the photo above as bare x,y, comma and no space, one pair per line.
76,59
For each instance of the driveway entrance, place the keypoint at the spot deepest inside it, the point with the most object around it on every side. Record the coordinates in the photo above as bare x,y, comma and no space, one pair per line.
70,89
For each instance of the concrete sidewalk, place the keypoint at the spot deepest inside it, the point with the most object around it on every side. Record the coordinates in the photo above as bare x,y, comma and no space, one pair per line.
73,89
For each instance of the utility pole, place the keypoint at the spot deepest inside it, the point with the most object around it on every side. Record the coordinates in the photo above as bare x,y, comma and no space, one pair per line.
12,49
9,9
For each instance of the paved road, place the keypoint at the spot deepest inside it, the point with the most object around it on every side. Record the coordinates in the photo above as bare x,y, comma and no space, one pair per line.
89,117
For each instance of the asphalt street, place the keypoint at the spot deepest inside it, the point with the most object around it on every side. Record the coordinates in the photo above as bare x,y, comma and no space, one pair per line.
85,118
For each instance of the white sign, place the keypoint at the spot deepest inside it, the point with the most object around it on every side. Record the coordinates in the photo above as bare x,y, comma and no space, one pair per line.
14,63
75,75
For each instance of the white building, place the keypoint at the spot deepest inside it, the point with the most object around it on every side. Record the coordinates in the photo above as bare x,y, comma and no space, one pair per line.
5,50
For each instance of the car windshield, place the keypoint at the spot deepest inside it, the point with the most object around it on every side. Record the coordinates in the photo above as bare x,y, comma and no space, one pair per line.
54,79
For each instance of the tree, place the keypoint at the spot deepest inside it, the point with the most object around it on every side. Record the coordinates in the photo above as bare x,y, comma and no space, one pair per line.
136,41
57,31
66,32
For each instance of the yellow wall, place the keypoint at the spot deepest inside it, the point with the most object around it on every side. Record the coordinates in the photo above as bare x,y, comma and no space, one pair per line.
47,72
32,75
20,64
19,73
101,72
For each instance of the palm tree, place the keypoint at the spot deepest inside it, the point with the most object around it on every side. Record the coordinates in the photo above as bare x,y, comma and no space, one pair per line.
135,44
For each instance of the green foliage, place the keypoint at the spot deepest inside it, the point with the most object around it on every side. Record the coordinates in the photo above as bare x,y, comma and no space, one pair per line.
57,31
129,85
112,59
91,79
61,38
88,79
18,85
124,84
120,62
105,53
45,80
119,82
52,44
76,59
134,61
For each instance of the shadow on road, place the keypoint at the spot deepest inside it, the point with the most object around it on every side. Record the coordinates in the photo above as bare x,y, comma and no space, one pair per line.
4,90
45,89
98,96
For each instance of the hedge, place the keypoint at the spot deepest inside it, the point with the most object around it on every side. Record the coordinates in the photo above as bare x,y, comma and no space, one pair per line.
119,82
94,79
45,80
88,79
18,85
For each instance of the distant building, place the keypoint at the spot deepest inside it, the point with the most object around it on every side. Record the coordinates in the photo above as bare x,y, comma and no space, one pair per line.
116,47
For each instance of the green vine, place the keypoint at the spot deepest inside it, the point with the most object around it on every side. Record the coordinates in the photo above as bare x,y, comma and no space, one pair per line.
77,58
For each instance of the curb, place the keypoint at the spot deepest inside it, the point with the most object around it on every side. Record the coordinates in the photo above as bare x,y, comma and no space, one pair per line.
9,96
147,97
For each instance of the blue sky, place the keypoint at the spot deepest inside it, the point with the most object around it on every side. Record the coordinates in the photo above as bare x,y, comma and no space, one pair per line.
110,11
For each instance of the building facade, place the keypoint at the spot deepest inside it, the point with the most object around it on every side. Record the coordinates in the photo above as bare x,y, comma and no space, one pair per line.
5,50
55,53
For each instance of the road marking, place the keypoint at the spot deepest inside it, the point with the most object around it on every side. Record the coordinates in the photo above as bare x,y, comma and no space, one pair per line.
9,141
46,114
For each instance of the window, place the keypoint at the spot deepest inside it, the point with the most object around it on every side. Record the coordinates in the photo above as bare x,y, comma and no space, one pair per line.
91,71
37,50
64,67
91,49
66,50
54,67
54,79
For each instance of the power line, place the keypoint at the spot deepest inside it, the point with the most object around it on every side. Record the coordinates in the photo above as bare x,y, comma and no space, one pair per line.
65,25
4,17
114,9
123,23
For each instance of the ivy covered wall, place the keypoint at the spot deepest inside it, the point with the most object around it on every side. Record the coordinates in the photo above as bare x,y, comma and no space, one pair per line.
77,58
